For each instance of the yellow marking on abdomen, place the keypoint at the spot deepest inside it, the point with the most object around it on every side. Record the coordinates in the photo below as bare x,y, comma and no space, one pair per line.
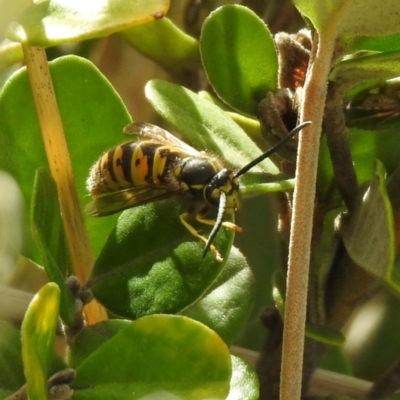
139,167
159,165
118,170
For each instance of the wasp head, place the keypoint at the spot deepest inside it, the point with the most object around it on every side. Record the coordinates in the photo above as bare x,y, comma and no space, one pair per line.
223,182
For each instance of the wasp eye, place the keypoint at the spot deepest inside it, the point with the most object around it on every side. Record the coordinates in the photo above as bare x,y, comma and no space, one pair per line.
220,182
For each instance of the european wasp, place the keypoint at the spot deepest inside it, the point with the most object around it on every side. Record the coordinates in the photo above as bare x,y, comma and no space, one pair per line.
160,165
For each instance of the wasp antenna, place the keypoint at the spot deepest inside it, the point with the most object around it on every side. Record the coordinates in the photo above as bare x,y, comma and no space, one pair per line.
218,223
273,149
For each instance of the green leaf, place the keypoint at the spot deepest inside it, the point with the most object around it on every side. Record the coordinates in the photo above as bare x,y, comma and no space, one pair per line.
10,53
152,264
91,337
368,234
91,128
158,355
38,333
178,52
251,184
279,291
244,381
226,305
373,43
204,124
325,334
239,56
47,223
354,71
55,22
355,18
365,146
251,126
12,372
48,233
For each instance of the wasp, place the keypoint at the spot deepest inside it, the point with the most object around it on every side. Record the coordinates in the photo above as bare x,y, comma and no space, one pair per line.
159,165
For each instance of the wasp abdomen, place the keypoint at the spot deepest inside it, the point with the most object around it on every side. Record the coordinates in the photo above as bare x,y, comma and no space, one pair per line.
132,164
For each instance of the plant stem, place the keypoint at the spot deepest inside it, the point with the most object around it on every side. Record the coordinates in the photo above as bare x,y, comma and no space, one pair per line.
338,144
315,90
61,170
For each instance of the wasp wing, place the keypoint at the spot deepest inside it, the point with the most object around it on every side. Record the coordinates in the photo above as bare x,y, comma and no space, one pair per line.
153,132
113,202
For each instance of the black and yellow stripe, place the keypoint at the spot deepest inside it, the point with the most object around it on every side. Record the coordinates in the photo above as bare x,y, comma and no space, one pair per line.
132,164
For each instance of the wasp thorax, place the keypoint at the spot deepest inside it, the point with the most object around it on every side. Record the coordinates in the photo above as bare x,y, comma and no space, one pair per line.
195,173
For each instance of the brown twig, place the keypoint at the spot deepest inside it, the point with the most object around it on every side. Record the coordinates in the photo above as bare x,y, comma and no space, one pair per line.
335,130
61,170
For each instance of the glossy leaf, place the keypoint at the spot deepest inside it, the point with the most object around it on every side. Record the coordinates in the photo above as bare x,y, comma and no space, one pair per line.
368,233
91,337
91,128
204,124
12,372
178,52
158,355
239,56
355,18
244,381
38,333
226,305
63,21
50,239
152,264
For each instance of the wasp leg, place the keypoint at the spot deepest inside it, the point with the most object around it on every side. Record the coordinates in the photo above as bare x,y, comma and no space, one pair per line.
226,224
193,231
